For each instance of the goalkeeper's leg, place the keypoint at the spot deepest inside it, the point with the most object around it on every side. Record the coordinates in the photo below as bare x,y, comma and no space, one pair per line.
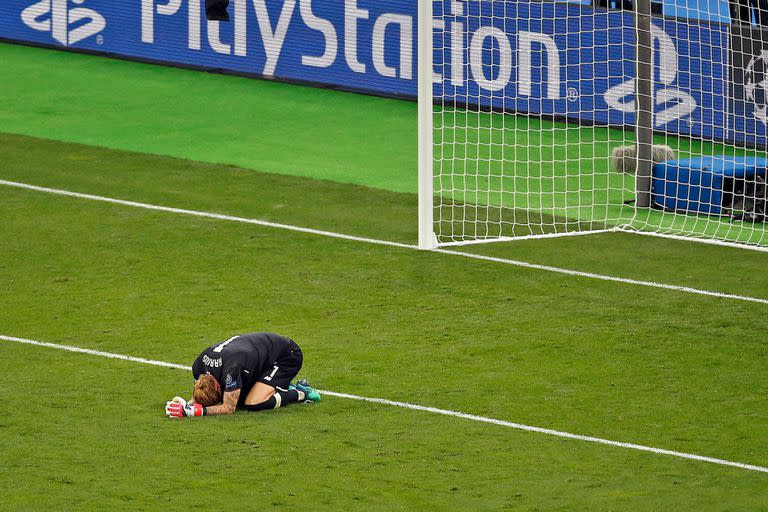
274,389
263,397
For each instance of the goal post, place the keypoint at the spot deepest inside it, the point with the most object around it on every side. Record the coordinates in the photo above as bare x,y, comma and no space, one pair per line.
425,65
544,118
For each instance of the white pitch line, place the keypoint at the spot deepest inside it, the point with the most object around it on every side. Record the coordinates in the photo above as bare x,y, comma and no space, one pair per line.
208,215
516,263
551,432
434,410
89,351
623,280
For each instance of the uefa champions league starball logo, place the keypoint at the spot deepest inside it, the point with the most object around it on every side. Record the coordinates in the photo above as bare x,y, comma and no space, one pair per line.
756,86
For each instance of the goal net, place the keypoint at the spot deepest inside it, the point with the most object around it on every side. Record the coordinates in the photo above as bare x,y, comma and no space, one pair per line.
543,118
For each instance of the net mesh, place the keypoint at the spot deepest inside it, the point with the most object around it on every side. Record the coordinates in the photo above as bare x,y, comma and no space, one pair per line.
534,123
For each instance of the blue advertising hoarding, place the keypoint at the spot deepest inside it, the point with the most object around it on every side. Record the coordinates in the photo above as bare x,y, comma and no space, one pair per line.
567,60
749,86
357,44
556,59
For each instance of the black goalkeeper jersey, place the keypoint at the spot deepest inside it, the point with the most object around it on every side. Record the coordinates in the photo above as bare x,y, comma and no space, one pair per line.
240,361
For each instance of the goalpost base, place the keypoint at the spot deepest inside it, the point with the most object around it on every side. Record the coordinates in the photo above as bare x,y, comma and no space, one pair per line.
618,229
525,237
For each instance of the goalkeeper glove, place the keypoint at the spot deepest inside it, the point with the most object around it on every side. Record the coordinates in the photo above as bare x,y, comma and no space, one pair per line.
179,408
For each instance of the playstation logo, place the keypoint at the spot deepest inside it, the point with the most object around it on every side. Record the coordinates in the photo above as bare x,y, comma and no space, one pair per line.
56,17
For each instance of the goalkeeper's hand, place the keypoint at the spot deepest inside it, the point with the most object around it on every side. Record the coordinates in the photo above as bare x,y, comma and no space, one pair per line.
179,408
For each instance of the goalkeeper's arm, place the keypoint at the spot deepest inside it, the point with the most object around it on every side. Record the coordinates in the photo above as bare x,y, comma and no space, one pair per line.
180,408
227,407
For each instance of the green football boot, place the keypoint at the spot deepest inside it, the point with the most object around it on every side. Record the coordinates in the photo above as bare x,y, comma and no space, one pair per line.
310,393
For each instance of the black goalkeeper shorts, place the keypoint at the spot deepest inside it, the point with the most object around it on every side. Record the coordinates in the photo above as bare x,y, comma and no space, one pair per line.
284,369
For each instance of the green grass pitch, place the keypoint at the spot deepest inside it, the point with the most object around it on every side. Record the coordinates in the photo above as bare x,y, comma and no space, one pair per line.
623,362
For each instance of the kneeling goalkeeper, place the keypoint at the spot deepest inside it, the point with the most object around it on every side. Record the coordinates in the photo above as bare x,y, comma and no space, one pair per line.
250,371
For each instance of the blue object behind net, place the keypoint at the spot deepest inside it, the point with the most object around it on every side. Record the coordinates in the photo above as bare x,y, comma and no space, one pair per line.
708,10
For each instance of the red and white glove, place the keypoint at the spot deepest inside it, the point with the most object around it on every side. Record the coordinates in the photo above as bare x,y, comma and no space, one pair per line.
179,408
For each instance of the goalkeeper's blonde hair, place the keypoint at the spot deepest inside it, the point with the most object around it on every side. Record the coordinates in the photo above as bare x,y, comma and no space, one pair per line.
207,391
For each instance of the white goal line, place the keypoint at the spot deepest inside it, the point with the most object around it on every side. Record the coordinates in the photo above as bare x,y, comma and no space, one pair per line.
332,234
434,410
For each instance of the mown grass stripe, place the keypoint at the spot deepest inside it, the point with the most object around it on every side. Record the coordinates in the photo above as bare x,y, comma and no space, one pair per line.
300,229
415,407
209,215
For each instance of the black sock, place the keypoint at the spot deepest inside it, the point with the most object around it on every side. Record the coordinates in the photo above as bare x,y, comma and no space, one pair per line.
290,396
279,399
